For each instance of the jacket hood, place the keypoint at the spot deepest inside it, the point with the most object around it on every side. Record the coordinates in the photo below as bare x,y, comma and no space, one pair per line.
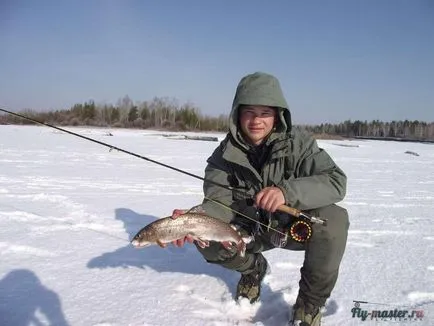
259,89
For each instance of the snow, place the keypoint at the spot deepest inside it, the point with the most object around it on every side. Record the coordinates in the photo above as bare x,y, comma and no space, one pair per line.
68,208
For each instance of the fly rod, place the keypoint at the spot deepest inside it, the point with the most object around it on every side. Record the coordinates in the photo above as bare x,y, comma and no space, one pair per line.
283,208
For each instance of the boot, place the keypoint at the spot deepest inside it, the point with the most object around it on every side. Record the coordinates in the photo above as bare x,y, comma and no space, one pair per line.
249,285
305,314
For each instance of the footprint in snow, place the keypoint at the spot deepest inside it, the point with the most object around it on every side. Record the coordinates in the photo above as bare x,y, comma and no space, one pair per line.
330,308
277,309
275,306
226,311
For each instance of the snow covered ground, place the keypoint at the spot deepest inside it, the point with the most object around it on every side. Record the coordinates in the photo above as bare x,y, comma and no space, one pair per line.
68,208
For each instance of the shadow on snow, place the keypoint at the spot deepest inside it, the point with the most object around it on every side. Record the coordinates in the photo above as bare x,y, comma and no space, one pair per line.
171,259
25,301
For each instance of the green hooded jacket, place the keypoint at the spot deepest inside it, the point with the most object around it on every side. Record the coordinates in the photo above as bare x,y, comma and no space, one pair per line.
306,174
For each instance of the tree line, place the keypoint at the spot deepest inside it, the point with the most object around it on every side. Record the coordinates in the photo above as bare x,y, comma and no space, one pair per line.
159,113
168,114
407,129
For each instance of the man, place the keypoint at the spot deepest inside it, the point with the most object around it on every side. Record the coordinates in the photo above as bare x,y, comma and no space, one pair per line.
264,159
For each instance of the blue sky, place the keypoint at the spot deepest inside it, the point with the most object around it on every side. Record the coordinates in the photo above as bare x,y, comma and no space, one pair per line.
336,60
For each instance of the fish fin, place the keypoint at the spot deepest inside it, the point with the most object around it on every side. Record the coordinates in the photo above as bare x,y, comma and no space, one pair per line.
241,247
235,227
228,245
161,244
198,209
202,243
247,239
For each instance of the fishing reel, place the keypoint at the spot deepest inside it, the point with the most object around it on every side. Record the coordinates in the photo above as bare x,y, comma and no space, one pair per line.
300,231
301,228
297,230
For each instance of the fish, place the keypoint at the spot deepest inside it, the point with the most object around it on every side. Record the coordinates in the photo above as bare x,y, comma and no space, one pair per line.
201,227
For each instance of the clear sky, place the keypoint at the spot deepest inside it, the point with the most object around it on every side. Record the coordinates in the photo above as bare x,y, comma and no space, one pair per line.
336,60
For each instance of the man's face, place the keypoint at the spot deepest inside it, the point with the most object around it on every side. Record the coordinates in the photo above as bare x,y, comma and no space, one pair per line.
256,122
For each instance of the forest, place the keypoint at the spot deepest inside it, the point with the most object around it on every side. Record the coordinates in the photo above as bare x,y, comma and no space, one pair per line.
167,114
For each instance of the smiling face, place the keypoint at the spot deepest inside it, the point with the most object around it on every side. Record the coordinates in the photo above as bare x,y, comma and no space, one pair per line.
256,122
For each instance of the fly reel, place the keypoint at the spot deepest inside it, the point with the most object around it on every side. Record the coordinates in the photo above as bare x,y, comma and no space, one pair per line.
300,231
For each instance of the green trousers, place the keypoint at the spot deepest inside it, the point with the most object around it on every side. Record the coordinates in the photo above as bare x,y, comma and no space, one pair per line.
323,254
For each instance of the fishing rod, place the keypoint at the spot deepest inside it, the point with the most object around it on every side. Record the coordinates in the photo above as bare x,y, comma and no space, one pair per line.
283,208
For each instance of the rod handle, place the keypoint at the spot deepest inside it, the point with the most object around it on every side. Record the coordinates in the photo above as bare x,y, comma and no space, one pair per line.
290,210
297,213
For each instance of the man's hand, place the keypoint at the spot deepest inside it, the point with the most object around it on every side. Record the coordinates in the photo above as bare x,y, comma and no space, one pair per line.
177,212
269,198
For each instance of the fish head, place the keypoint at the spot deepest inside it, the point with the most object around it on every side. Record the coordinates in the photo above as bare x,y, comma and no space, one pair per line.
142,238
138,243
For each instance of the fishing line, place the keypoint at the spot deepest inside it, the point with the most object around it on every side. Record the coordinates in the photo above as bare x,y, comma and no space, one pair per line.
288,209
244,215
